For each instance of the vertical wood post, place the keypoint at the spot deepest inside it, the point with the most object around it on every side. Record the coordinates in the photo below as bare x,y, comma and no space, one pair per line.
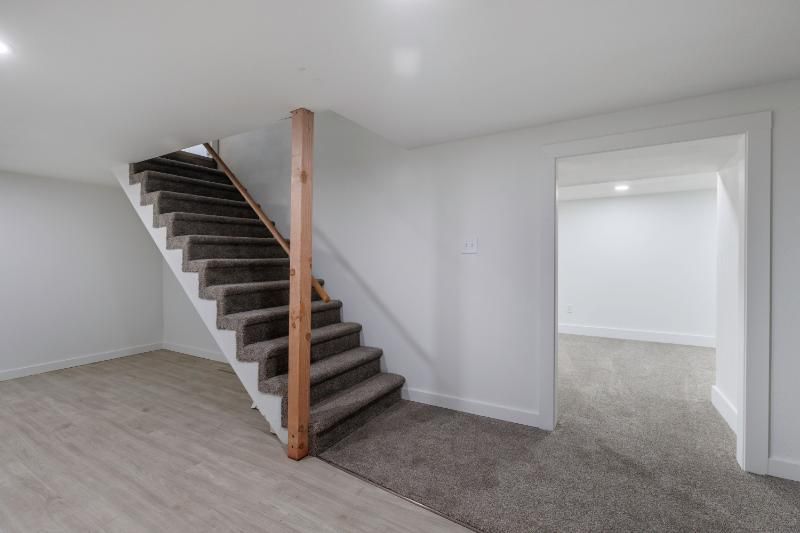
299,394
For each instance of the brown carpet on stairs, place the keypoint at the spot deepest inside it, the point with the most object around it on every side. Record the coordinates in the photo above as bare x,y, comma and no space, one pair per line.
639,447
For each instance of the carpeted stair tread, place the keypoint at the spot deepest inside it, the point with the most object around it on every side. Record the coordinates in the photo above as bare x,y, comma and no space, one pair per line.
222,290
267,314
151,197
325,368
181,168
338,407
229,271
199,264
170,202
270,348
202,217
194,159
197,247
246,295
227,239
181,223
153,181
218,291
181,240
189,181
187,165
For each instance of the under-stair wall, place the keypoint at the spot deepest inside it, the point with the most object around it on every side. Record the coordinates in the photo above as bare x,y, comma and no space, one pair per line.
268,404
184,332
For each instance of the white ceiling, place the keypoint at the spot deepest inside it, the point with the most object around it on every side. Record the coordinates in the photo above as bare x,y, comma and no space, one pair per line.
97,82
683,166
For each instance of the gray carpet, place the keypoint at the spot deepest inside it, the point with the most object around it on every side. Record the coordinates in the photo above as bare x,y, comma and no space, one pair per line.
638,447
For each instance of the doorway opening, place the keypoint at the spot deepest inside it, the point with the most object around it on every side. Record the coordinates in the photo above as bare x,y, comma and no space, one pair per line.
651,299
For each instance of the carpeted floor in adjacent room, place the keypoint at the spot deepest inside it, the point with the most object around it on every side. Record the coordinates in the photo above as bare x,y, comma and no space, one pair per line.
638,447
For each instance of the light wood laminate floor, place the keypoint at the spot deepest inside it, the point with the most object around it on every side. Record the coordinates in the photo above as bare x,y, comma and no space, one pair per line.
167,442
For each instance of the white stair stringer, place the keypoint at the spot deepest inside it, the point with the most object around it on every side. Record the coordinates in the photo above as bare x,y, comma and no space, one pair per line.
269,405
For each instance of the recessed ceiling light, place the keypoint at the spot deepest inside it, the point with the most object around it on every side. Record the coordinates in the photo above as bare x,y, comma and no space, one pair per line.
4,48
621,188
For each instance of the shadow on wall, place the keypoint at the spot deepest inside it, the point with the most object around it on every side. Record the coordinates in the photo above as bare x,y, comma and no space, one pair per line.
332,253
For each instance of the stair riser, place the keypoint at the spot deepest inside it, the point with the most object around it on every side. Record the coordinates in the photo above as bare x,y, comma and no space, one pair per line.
194,251
264,331
176,228
242,274
322,390
153,183
245,301
163,205
320,442
199,174
194,159
134,179
278,364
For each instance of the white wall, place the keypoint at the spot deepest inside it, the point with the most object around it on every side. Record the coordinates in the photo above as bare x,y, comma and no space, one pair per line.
511,167
639,267
387,242
80,280
183,330
474,330
726,391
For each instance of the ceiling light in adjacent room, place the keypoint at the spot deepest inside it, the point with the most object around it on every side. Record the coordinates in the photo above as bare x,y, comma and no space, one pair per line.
4,49
621,188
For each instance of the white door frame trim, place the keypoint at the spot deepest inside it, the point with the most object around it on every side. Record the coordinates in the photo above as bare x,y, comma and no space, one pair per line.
752,447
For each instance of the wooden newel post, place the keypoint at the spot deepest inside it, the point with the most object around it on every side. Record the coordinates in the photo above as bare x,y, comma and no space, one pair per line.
299,393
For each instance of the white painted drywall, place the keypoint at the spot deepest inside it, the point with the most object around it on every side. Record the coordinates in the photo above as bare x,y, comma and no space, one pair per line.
474,330
726,393
639,267
183,330
81,281
387,242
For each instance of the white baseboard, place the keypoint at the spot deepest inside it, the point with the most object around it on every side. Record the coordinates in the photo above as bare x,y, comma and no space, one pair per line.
784,468
639,335
75,361
476,407
725,408
197,352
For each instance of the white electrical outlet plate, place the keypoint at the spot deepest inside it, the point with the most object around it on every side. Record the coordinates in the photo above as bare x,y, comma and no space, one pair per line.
469,246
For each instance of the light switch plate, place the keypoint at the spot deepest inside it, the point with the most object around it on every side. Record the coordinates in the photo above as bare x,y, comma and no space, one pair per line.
469,246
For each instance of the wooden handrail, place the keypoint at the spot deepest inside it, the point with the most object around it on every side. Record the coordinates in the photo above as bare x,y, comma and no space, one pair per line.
323,294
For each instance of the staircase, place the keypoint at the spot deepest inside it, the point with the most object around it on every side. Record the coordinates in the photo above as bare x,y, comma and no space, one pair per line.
237,276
